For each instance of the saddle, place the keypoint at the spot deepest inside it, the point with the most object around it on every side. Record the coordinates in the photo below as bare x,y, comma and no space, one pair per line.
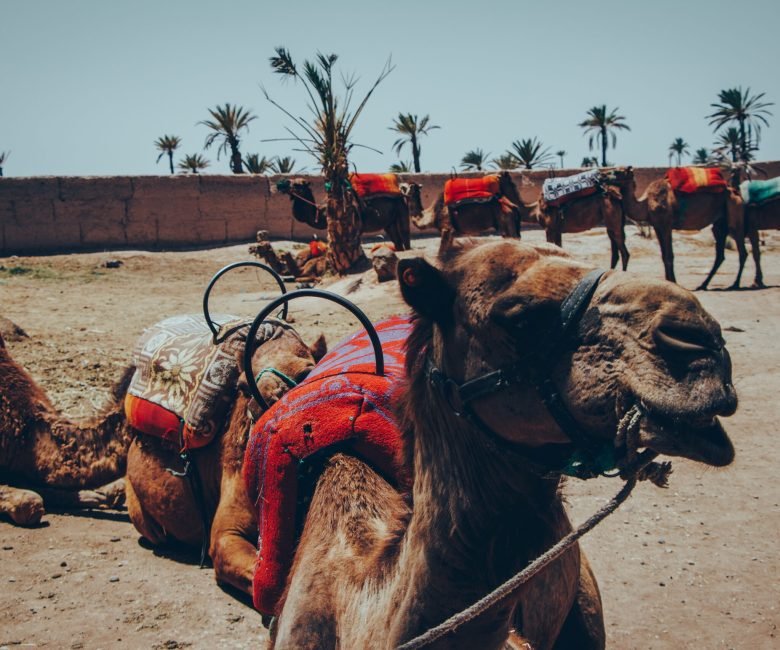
559,191
688,180
342,406
184,384
461,191
370,186
760,192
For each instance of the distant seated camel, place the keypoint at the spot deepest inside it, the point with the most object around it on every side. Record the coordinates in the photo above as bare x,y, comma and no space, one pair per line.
378,213
471,206
520,361
666,210
601,207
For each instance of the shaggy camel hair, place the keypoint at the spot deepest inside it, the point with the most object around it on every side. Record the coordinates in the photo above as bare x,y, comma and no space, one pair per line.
53,459
381,213
603,208
474,218
665,210
373,571
162,507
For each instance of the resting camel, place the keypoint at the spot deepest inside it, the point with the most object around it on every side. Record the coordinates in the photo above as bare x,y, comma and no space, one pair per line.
163,507
54,459
580,214
665,210
371,571
382,213
504,214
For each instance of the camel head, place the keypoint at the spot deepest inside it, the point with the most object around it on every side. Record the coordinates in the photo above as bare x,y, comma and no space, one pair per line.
635,342
293,186
281,362
508,188
413,194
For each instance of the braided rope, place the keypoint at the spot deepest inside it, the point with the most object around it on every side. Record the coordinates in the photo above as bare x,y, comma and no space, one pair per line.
628,429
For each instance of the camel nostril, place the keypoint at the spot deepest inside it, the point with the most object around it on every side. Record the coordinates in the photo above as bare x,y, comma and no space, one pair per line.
683,339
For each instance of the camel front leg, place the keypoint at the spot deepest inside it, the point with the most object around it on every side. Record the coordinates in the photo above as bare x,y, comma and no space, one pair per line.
233,534
111,495
584,626
720,232
23,507
664,235
756,251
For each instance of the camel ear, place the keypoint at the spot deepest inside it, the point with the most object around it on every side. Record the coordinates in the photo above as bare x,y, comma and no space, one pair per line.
425,290
319,348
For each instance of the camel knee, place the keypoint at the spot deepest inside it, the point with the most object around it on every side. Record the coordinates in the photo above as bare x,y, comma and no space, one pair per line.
148,528
23,507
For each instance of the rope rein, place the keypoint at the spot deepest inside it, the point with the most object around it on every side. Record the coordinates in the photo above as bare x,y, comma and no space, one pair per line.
628,435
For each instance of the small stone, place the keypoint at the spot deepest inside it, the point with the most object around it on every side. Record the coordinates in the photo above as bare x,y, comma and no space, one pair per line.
63,563
114,579
56,575
8,548
11,579
661,584
116,539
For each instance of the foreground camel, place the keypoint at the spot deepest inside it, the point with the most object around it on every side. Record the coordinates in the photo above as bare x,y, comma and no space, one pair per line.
382,213
371,571
162,506
604,208
665,210
54,459
503,215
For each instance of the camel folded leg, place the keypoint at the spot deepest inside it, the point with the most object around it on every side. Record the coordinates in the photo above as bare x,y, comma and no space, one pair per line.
23,507
111,495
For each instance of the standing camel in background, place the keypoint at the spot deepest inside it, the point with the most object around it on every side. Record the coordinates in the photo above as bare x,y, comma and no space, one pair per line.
762,212
601,207
374,569
666,209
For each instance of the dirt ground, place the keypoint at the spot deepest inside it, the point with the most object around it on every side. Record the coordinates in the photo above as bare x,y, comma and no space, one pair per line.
693,566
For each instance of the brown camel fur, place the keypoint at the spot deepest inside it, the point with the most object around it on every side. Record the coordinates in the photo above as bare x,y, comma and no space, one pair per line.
62,462
381,213
162,506
763,216
603,208
475,218
371,571
665,210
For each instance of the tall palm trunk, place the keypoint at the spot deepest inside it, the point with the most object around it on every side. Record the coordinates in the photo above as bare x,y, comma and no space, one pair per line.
343,228
236,164
416,153
170,160
742,141
603,146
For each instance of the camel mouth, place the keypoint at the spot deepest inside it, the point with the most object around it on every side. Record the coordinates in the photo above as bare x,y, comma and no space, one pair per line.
702,439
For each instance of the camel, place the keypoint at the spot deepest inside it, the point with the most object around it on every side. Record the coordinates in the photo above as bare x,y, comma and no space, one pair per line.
381,213
665,210
580,214
55,460
163,507
760,216
503,215
374,569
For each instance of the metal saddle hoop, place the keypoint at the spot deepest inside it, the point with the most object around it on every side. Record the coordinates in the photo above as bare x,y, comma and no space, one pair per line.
249,349
214,327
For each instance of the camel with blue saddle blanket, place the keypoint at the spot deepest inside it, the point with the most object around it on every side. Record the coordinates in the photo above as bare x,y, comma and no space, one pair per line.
762,212
577,203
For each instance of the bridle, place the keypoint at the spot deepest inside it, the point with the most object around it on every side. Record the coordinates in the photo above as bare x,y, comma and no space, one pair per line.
592,457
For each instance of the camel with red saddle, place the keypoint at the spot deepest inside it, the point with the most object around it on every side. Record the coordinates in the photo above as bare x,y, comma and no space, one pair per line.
578,203
518,366
687,198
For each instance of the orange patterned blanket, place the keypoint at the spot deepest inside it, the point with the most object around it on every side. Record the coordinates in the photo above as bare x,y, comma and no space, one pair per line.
367,185
471,189
696,179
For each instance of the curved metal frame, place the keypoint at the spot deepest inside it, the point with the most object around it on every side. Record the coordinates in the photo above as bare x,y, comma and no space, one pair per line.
218,275
249,348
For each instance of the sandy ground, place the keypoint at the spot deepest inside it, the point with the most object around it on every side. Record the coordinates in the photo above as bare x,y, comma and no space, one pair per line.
694,566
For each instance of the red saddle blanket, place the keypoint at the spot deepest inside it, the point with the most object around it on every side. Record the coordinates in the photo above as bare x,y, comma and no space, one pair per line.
343,405
183,383
367,185
696,179
471,189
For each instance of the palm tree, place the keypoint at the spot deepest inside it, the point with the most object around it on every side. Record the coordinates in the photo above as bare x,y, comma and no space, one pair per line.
589,161
4,155
401,167
193,163
411,128
678,146
701,156
226,123
326,135
474,160
167,144
529,153
506,162
283,165
560,153
600,124
747,110
254,164
728,145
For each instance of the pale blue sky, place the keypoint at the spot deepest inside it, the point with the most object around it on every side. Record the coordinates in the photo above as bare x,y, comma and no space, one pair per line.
88,85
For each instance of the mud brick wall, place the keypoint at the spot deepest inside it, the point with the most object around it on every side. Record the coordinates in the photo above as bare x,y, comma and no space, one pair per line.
40,215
